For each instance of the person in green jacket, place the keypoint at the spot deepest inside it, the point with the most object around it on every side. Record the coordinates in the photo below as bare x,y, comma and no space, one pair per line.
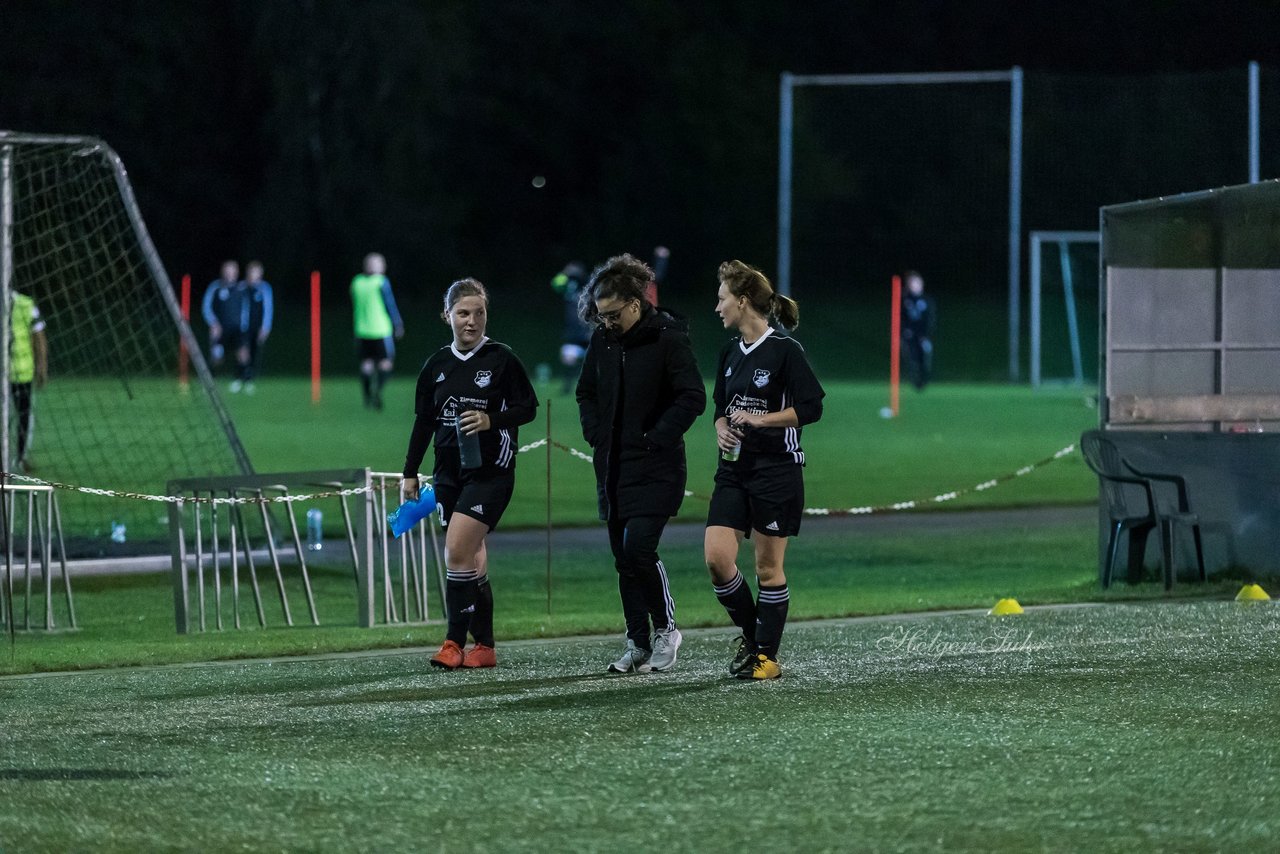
28,367
377,325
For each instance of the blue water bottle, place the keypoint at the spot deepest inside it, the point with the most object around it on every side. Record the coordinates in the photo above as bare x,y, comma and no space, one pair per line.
468,446
410,513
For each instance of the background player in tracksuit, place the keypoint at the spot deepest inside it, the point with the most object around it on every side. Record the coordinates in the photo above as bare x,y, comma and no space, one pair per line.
28,366
482,385
639,392
765,392
569,283
377,326
221,311
919,320
261,306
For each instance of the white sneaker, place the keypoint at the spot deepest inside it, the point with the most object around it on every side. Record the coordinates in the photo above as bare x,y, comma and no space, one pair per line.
633,658
236,385
665,646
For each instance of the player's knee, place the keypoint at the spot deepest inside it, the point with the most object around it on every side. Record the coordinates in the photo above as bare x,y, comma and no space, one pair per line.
770,573
720,565
366,367
385,365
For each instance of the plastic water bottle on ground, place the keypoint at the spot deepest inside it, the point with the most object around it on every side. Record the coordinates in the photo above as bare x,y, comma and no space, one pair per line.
117,532
468,446
315,530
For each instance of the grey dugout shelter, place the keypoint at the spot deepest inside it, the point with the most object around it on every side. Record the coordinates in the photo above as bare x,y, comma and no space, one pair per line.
1189,365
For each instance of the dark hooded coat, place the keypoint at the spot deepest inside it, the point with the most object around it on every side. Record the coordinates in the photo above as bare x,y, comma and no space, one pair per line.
638,395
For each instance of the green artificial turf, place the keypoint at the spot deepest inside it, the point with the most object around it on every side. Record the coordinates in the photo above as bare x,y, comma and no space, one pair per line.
948,438
834,570
1111,728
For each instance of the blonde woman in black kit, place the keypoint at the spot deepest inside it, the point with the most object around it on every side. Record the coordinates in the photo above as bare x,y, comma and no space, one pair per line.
765,392
482,386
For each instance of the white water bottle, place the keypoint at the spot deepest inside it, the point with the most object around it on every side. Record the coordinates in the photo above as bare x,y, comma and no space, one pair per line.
315,530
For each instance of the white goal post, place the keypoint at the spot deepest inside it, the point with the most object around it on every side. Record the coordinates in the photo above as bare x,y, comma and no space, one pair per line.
1062,239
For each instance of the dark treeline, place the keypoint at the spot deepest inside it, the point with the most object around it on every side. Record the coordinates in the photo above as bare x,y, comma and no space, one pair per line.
307,133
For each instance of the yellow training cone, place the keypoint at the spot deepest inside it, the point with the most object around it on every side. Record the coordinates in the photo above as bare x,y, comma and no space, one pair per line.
1252,593
1005,607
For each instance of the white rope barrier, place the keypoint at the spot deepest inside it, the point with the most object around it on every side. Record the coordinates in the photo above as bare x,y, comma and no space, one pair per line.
897,506
174,499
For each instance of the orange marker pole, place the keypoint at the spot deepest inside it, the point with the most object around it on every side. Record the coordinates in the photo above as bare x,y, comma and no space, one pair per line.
315,336
895,342
184,357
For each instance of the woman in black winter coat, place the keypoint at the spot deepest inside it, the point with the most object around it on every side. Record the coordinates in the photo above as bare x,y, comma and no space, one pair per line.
639,392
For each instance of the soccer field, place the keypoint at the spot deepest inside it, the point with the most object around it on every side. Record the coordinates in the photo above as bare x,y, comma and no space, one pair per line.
1107,728
951,437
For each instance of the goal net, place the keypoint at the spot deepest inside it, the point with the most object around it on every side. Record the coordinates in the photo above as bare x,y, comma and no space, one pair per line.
113,413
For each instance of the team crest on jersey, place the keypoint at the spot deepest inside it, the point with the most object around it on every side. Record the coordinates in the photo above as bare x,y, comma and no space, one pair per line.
728,370
761,379
483,378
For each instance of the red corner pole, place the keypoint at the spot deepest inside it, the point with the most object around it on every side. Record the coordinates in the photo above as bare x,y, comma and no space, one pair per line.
895,342
315,336
183,356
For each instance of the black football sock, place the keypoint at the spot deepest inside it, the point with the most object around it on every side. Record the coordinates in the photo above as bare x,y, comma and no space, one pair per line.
460,598
771,608
366,383
735,596
482,621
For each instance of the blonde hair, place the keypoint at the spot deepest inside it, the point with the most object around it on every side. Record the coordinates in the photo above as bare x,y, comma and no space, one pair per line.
467,287
746,281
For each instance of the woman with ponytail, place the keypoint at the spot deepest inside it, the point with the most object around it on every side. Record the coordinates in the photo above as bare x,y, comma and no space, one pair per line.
765,392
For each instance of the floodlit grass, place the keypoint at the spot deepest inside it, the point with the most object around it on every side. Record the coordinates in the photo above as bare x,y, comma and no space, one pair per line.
1114,728
950,437
835,569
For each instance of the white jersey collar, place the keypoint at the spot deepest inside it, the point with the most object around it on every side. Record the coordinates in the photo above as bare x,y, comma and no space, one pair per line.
746,351
467,355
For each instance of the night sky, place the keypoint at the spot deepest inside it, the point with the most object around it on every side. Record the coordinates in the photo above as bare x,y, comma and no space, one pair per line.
308,133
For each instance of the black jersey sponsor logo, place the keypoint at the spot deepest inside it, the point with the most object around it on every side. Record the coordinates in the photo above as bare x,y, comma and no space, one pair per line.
483,378
453,406
761,379
751,405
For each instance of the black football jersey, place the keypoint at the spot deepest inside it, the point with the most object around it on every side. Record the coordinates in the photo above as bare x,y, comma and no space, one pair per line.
769,375
488,378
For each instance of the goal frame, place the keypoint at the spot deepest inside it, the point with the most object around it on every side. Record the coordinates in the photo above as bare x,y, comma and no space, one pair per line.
1035,245
1012,76
10,139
